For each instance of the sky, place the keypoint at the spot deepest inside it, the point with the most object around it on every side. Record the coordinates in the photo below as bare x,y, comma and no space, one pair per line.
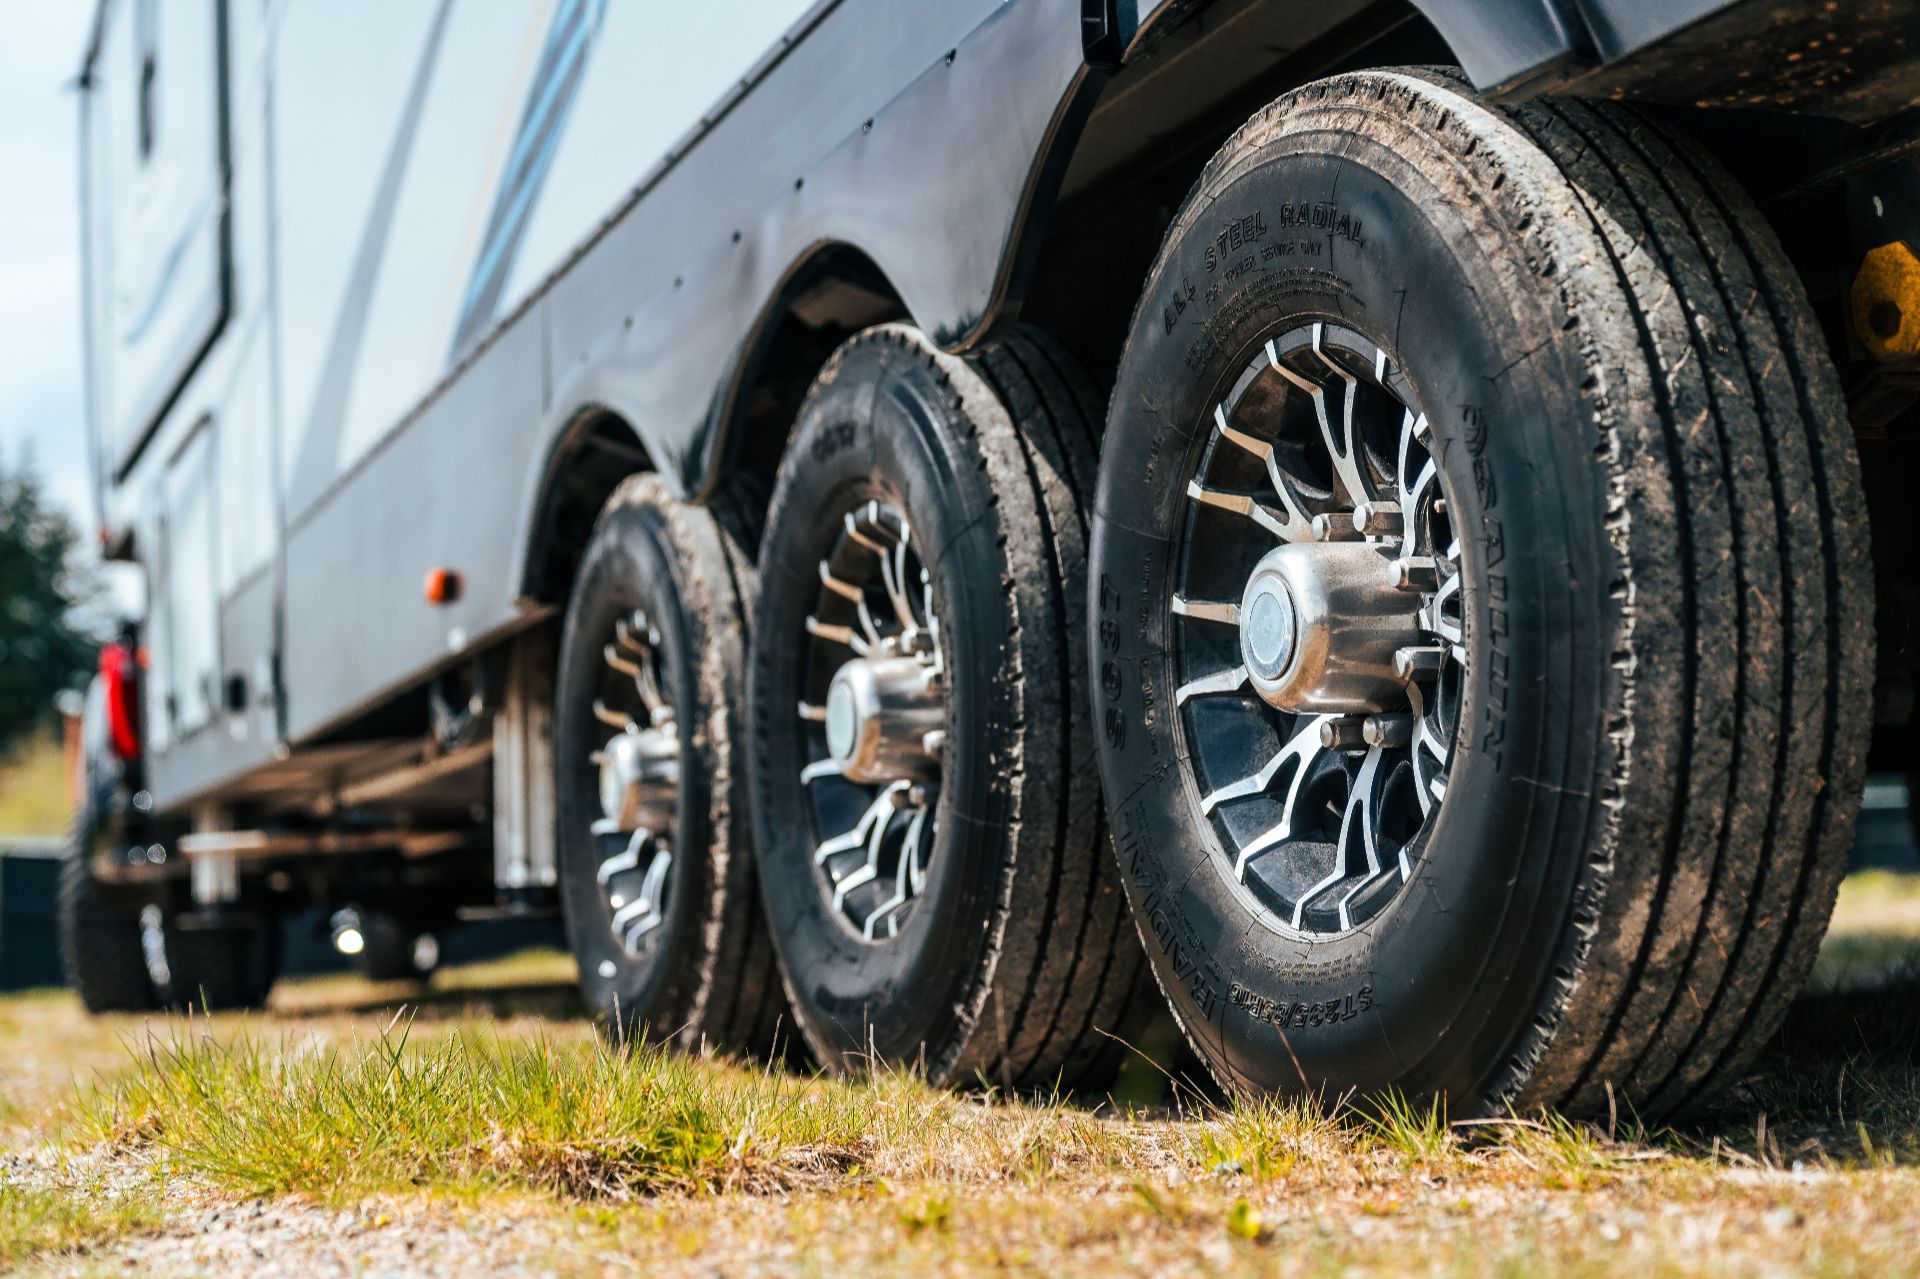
42,400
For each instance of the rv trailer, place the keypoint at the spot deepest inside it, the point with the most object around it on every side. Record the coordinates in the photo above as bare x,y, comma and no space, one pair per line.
928,528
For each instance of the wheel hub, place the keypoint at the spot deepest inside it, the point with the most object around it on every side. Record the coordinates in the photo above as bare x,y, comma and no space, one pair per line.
1320,625
638,775
640,778
883,719
875,715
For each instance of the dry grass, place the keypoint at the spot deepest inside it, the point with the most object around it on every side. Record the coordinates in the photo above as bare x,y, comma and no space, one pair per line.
475,1134
33,789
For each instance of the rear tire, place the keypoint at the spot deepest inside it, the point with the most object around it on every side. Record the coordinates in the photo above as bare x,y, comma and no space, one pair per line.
392,948
100,946
1664,634
220,966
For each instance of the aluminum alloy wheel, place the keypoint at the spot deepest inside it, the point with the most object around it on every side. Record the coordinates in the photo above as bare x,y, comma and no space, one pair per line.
874,718
1319,630
638,771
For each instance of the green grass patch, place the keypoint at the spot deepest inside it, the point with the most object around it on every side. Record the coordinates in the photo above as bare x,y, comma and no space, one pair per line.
475,1109
38,1220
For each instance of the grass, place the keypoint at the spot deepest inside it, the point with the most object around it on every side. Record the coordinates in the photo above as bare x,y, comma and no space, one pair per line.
33,789
69,1219
476,1111
490,1138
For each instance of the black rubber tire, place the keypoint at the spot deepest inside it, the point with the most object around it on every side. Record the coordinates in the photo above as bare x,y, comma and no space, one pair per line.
220,967
100,946
1017,967
705,976
1669,603
388,947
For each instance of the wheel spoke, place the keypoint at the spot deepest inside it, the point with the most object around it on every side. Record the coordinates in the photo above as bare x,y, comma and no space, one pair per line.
1302,746
630,669
1363,811
1305,748
908,879
912,852
1207,611
1243,504
623,861
1429,755
636,635
613,718
1298,525
819,768
1413,491
1231,681
881,808
838,635
892,574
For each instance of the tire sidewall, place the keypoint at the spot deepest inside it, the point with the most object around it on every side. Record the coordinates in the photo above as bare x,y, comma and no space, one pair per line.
1432,991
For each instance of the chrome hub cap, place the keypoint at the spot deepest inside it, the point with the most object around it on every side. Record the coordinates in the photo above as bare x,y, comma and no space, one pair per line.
881,713
875,716
1320,631
1320,625
639,783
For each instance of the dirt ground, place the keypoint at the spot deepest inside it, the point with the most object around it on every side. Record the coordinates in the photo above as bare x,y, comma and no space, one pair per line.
488,1130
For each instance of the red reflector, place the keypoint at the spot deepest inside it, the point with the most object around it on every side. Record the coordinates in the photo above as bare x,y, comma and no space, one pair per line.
120,680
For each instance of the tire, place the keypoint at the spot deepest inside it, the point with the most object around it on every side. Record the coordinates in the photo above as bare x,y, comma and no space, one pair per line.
700,969
1662,654
388,950
993,943
219,967
100,947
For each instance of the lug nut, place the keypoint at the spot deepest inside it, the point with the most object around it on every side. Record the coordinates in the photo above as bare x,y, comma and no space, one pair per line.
1388,730
1333,528
1419,662
1417,573
1343,733
1377,519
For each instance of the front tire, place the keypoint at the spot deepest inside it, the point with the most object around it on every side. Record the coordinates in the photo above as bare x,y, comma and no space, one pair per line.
1637,576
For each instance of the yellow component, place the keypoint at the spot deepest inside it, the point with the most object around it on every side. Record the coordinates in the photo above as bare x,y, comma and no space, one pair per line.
1886,303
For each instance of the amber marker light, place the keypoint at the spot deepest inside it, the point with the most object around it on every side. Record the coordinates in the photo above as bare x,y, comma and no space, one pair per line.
442,585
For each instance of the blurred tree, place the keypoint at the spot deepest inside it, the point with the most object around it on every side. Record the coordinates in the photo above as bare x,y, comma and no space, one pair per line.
42,583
